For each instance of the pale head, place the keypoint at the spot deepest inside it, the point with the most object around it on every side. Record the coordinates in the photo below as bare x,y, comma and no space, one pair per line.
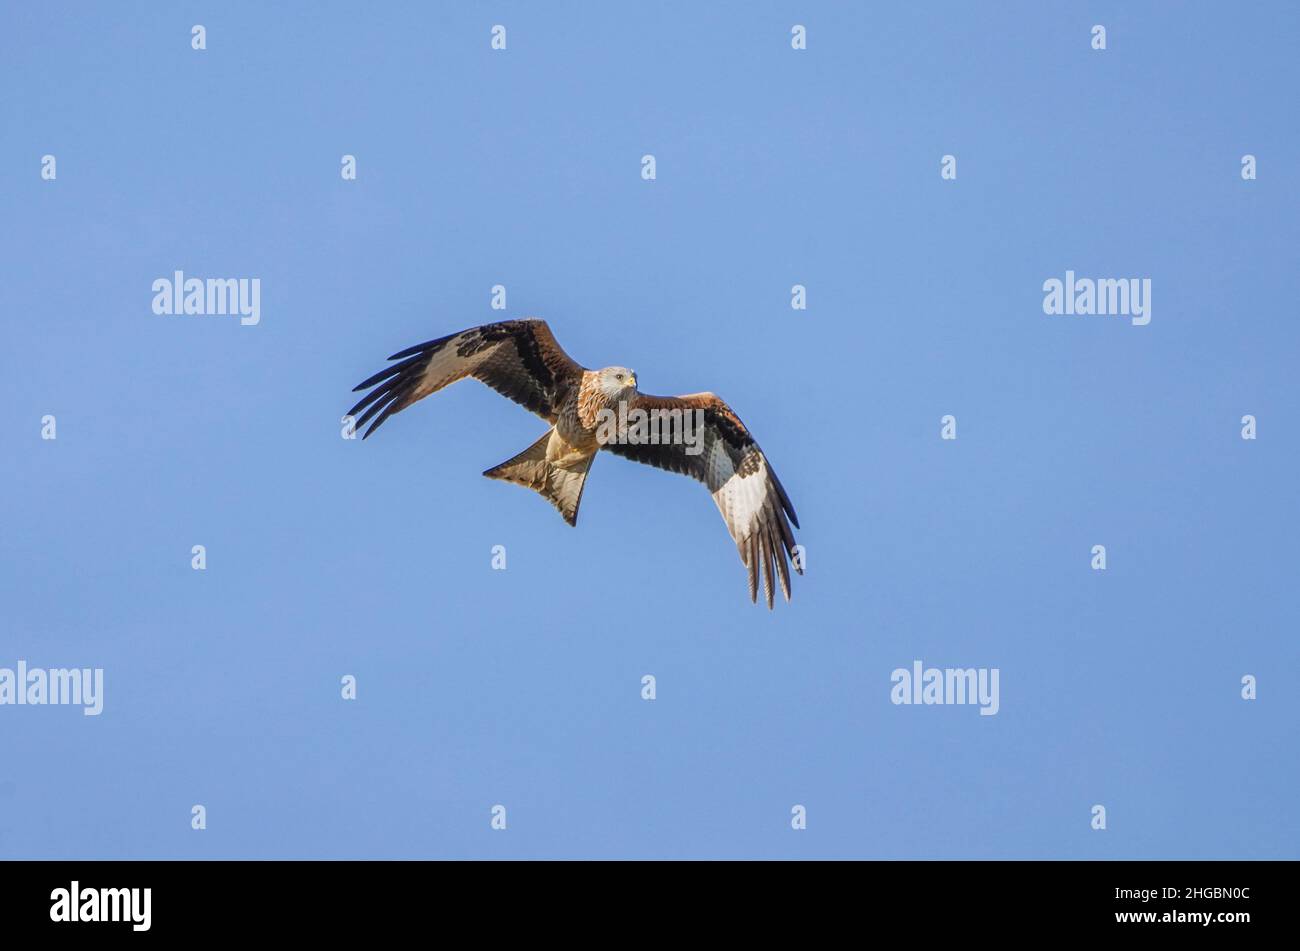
616,382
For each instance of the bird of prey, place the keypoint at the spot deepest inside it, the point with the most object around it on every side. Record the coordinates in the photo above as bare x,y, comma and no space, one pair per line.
590,410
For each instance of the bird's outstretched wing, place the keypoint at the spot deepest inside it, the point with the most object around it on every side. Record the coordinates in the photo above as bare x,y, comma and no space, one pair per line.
517,358
750,497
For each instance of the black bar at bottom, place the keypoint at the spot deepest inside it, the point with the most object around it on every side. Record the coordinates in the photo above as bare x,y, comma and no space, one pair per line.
1222,900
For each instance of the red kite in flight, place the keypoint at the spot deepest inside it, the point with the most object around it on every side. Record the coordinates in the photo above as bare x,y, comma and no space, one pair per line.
589,410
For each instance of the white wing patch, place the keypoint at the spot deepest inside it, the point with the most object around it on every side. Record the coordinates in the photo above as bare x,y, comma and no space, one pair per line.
447,366
740,499
752,512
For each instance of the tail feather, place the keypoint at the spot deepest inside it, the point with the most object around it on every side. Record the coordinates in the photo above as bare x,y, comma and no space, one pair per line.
560,481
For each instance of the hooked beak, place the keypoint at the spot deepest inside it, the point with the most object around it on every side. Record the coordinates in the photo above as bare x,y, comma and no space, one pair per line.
631,381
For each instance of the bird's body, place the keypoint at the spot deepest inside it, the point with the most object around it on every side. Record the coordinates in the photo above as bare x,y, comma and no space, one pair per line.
589,411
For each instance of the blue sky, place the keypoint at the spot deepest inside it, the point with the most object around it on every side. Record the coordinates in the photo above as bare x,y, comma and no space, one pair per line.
522,687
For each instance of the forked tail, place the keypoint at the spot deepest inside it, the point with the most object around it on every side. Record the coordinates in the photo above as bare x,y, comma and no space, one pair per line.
559,481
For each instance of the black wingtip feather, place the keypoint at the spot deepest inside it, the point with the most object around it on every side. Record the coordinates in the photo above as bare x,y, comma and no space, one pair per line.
386,372
785,499
768,548
421,347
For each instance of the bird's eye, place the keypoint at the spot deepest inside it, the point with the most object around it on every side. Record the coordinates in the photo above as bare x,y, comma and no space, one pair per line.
620,376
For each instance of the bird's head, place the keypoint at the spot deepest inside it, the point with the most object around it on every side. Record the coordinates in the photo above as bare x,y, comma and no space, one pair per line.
617,382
